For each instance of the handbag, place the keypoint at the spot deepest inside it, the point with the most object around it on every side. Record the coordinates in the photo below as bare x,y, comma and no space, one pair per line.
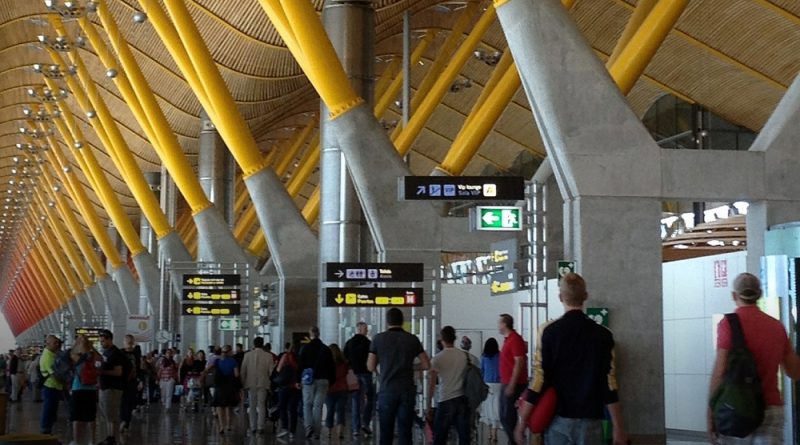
285,377
307,377
352,381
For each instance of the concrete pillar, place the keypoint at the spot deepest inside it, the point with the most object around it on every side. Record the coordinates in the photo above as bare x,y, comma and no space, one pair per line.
351,27
605,234
214,174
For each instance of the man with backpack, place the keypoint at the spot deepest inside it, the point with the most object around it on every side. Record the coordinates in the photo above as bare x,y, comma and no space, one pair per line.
53,387
751,346
450,367
575,356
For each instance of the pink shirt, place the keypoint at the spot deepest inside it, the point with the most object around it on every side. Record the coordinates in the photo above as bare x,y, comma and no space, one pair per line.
767,341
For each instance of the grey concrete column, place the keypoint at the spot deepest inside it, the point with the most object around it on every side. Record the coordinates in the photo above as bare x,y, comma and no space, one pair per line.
554,217
149,280
621,234
351,27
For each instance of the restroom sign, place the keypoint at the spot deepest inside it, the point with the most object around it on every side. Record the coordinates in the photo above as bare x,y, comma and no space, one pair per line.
721,273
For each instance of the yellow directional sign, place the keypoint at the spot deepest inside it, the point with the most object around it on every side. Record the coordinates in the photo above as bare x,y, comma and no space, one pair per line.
211,309
211,295
212,280
373,296
504,282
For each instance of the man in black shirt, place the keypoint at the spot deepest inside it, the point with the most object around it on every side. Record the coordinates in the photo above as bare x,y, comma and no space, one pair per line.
575,356
319,372
13,367
394,352
113,374
356,350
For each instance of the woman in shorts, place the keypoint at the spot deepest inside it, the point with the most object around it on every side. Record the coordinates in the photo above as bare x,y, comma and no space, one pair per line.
83,402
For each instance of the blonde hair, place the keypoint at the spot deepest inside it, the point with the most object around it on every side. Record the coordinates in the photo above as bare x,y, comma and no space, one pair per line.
573,289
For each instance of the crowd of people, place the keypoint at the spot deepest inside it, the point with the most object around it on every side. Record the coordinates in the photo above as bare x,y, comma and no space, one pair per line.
295,388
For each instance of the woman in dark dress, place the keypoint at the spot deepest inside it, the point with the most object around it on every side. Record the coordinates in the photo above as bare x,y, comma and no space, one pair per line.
226,388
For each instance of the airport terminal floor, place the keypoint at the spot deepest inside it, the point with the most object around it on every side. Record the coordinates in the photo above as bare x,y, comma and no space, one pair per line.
152,426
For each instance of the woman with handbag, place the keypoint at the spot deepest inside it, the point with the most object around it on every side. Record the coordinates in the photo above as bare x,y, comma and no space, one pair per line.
287,381
336,400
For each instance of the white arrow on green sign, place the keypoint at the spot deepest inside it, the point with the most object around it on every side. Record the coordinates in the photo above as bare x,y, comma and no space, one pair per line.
499,218
230,324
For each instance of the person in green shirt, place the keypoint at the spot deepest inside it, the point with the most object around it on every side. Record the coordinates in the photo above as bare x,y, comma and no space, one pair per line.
53,388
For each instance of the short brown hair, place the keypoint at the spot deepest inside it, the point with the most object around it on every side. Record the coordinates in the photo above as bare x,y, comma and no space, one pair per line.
507,320
573,289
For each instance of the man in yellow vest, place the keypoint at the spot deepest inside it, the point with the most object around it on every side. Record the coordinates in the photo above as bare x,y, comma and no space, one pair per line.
53,388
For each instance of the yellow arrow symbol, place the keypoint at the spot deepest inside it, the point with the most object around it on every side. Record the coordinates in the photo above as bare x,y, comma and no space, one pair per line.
339,299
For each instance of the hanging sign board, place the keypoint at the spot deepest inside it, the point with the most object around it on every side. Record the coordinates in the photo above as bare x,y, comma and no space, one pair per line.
201,280
230,324
462,188
504,254
211,295
211,309
498,218
373,296
141,327
504,282
375,272
91,334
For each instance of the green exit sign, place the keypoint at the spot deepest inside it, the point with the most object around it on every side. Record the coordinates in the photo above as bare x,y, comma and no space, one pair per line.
499,218
230,324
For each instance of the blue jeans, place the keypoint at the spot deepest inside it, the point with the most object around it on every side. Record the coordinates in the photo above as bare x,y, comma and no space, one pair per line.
453,412
565,431
313,399
335,403
366,392
288,399
51,397
508,410
396,405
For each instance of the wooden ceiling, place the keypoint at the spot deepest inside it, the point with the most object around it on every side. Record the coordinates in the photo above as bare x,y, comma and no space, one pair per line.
735,57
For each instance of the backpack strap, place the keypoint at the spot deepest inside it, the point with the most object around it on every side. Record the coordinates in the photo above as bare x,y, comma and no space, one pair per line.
737,334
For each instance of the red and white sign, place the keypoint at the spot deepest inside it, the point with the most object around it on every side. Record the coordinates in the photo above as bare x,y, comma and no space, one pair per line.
721,273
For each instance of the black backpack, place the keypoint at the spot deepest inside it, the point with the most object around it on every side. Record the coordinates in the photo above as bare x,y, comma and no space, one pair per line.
738,406
475,389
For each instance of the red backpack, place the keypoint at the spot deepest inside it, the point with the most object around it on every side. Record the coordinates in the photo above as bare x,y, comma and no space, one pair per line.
88,374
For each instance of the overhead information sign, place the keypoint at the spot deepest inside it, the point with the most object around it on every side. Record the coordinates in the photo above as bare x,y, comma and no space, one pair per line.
211,309
462,188
504,254
230,324
211,295
498,218
201,280
375,272
504,282
373,296
91,334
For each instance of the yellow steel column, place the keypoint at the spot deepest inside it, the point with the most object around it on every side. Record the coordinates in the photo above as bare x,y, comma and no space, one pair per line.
203,75
55,286
69,274
443,56
386,77
97,179
148,113
474,132
73,226
638,16
320,62
311,209
391,92
296,144
645,42
506,60
442,86
59,282
63,240
126,164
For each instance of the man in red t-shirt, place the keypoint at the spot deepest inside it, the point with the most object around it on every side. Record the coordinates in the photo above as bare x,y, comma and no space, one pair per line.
767,341
513,373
